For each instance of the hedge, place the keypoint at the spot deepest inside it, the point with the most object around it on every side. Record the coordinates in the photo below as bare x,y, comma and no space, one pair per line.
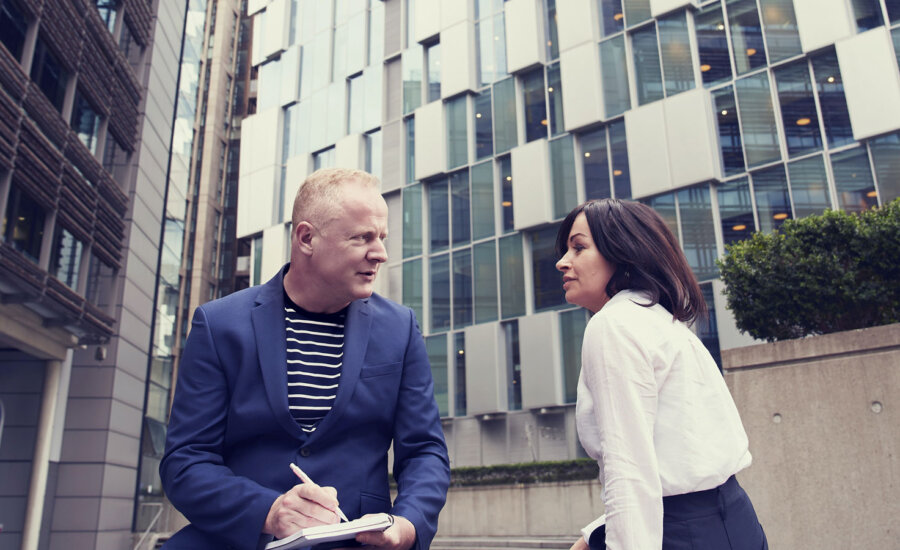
525,473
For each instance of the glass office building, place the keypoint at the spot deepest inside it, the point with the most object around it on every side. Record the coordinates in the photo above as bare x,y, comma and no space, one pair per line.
487,121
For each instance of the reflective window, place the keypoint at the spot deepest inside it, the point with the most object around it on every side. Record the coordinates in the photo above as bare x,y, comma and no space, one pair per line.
665,207
886,156
483,200
85,122
505,125
436,347
551,30
736,210
490,36
12,28
830,87
412,221
409,21
410,125
101,278
853,180
484,131
535,105
513,365
373,153
893,10
571,331
48,73
457,132
323,159
130,47
547,281
107,11
809,186
675,48
562,176
411,66
412,287
355,107
595,164
115,159
647,72
612,17
746,35
65,259
730,143
438,216
773,203
895,37
616,97
619,155
23,225
712,45
440,292
554,97
782,37
760,131
512,276
707,329
504,166
459,194
433,58
698,231
459,355
462,288
636,11
485,281
867,14
798,109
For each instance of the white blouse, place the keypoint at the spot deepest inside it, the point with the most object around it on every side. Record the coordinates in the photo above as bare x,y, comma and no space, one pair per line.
654,411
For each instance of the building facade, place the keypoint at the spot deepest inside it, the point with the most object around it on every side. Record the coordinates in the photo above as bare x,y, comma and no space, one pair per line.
487,121
86,119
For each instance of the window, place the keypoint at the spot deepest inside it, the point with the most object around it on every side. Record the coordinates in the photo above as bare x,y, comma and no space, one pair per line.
636,11
760,132
773,203
619,154
513,365
603,164
571,328
647,72
482,200
85,121
323,159
505,167
562,176
411,66
433,59
746,36
697,231
712,45
13,27
554,100
735,210
457,133
782,36
853,180
547,283
438,216
798,109
24,223
376,33
440,292
886,156
459,355
99,284
436,347
484,130
678,64
373,153
490,33
893,10
616,95
535,105
730,144
505,125
115,159
410,125
49,75
65,260
412,221
512,276
355,106
460,206
551,29
707,329
484,276
830,87
867,13
462,288
412,287
809,186
107,11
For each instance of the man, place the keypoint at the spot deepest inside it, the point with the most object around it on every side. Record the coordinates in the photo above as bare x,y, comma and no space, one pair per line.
310,368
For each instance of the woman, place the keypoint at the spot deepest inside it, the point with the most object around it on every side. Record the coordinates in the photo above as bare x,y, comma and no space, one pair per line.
652,407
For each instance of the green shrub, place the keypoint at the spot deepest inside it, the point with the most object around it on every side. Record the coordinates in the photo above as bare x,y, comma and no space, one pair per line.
816,275
528,472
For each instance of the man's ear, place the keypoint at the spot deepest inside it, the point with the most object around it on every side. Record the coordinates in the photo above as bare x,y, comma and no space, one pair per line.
303,235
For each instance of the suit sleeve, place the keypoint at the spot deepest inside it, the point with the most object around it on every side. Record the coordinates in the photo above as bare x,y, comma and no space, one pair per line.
421,464
193,473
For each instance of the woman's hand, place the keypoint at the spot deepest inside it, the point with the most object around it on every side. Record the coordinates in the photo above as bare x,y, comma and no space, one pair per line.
580,544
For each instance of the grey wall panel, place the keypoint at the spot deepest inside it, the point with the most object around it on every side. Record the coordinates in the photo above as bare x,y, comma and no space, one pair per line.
493,441
872,88
393,90
393,26
541,362
392,146
522,440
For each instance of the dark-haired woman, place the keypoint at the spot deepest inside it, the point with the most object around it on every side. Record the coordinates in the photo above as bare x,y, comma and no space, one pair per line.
652,407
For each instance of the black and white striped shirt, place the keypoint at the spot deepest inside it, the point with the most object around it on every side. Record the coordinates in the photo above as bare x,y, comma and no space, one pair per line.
315,351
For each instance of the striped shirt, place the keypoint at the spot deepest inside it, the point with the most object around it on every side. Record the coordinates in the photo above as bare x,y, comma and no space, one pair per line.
315,351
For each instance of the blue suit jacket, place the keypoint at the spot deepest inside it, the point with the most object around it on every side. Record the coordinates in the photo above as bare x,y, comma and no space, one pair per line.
231,434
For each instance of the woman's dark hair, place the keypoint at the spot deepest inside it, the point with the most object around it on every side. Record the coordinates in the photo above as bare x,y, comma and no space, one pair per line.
645,253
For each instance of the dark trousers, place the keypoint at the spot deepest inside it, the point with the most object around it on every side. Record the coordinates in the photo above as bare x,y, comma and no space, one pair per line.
717,519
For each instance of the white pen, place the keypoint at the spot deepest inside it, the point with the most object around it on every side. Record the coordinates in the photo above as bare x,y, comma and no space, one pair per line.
306,479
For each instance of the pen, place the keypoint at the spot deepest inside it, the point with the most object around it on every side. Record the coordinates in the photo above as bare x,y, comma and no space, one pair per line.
306,479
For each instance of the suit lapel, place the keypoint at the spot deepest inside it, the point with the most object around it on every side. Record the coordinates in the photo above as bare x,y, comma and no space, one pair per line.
356,339
268,328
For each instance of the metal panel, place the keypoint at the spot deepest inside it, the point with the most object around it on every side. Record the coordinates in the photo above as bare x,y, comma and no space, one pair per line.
871,82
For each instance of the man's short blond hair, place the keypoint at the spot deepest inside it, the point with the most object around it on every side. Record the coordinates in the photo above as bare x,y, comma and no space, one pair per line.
318,198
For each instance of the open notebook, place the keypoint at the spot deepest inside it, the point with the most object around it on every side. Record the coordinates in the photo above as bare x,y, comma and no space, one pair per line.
335,531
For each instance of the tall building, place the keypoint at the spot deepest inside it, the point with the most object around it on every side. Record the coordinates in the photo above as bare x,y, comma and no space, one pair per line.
487,121
87,97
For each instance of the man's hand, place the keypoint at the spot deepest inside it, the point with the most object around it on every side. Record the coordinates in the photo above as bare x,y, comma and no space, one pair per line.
399,536
305,505
580,544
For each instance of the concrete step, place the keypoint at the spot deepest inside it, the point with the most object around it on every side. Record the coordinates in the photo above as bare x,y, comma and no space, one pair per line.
506,543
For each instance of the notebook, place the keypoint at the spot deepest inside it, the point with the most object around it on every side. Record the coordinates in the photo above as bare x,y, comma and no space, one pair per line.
336,531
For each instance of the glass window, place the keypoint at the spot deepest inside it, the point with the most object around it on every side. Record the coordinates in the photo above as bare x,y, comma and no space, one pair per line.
484,131
746,35
491,44
373,153
512,276
483,200
853,180
323,159
647,72
505,125
736,211
459,193
554,95
440,292
809,186
619,149
436,347
535,105
48,73
99,284
730,144
85,121
612,17
410,149
355,107
831,100
552,32
595,164
459,348
571,330
707,329
412,221
439,220
505,167
462,288
886,156
636,11
411,67
798,109
376,33
758,119
616,97
12,28
412,287
433,57
130,47
457,132
485,281
562,176
410,22
773,203
895,36
867,13
665,207
547,283
513,365
782,36
712,45
893,10
698,238
107,11
115,159
23,226
675,48
65,259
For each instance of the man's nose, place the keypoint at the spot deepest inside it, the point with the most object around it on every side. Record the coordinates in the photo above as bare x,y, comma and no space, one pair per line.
378,252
